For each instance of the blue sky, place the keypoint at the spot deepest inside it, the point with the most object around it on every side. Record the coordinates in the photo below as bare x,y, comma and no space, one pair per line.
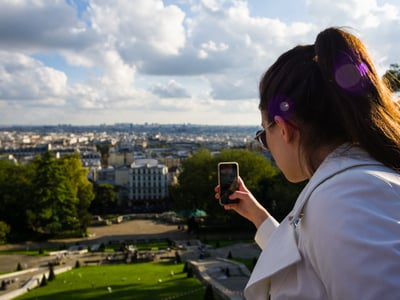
172,61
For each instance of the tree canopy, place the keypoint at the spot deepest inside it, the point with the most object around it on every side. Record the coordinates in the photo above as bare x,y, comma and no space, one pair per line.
199,177
104,201
46,197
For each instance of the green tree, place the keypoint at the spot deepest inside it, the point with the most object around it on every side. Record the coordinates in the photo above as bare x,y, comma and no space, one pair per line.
104,200
104,150
43,282
4,231
196,182
278,195
209,293
19,267
82,188
53,209
392,77
46,196
253,166
15,192
199,177
52,275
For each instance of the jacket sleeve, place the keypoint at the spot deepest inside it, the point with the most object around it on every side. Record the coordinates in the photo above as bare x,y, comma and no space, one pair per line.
350,233
265,230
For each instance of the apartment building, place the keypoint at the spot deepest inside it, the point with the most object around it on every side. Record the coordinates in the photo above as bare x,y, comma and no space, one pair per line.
148,180
141,186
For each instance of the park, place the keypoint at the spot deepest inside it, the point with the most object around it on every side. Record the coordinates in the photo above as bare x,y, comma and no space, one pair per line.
171,263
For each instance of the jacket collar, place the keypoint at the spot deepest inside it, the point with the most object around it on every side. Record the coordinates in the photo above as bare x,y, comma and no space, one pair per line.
281,250
344,157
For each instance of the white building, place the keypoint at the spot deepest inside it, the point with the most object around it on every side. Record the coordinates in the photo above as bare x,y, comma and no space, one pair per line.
142,186
148,180
91,159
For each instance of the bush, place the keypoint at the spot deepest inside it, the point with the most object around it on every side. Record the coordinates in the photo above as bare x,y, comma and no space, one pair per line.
185,267
209,294
177,258
189,273
52,276
44,281
4,231
19,267
3,285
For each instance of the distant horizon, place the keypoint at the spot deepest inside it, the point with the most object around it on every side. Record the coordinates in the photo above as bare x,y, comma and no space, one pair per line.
87,62
126,124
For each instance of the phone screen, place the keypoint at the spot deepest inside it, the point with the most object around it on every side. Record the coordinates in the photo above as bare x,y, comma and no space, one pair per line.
228,173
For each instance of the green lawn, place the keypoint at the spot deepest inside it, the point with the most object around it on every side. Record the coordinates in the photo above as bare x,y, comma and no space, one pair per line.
134,281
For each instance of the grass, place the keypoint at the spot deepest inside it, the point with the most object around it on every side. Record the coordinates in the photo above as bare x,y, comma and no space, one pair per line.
151,246
224,243
134,281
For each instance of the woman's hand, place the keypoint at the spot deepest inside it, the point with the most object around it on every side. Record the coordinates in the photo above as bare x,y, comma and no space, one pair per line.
248,206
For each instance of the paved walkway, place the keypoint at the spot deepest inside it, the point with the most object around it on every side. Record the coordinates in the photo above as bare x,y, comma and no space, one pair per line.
228,278
21,282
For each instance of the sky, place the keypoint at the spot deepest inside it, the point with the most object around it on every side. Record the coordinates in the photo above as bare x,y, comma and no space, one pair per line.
92,62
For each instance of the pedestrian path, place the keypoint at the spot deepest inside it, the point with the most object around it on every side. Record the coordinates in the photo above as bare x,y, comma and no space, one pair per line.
33,280
228,278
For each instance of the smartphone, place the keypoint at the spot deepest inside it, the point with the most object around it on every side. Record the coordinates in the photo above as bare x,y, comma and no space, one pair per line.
228,175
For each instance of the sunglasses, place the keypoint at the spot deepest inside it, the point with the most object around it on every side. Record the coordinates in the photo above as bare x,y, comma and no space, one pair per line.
261,137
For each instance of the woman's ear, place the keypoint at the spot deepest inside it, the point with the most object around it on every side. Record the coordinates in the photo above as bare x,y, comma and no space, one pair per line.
287,131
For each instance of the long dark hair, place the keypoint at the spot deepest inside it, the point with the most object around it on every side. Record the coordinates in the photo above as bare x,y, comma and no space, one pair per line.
332,91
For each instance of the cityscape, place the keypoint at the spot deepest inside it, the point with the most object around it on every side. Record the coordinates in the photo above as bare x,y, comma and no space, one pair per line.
142,160
114,116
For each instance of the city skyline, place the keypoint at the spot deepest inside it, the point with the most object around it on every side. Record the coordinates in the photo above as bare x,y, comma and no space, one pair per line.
85,62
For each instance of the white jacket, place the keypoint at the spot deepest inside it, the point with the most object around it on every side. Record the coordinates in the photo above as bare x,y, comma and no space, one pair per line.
341,241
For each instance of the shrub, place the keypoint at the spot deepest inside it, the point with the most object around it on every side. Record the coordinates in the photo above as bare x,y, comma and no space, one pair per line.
209,294
4,231
3,285
189,273
44,281
52,276
177,258
19,267
185,267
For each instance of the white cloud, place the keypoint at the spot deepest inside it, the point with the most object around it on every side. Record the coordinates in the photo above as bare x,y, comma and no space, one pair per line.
171,90
139,28
23,78
154,60
40,25
359,14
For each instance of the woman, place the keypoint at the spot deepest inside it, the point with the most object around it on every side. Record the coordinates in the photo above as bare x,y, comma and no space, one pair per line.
327,117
